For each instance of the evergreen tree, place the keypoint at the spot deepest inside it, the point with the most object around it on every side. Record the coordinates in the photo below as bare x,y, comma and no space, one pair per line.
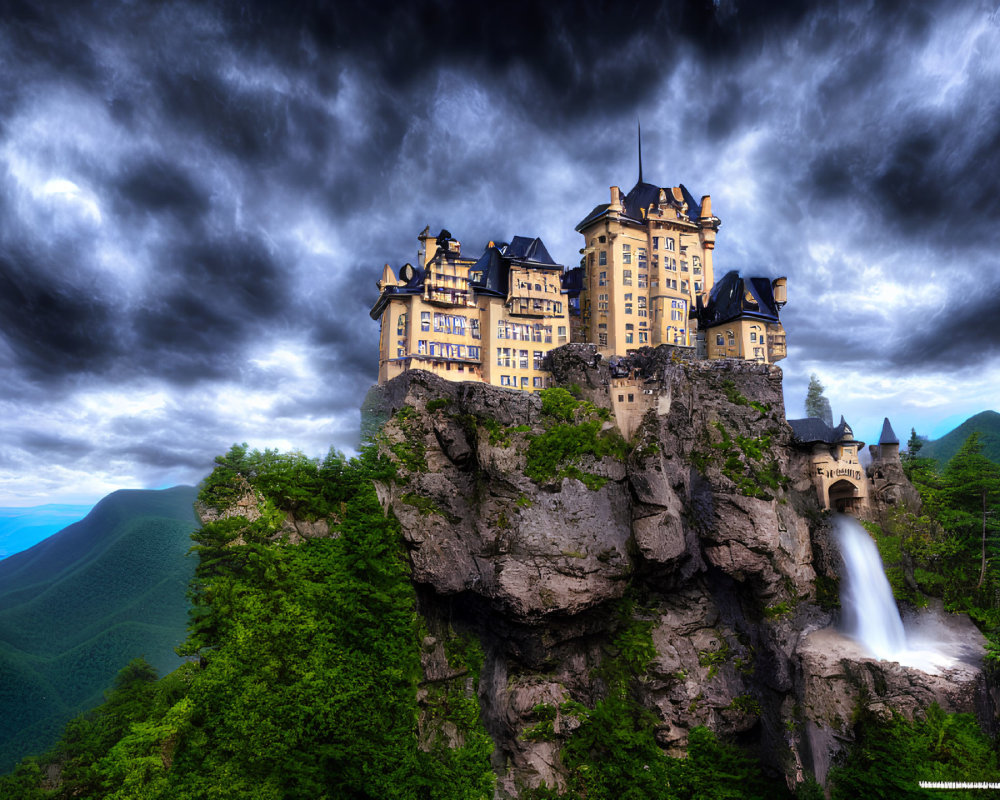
971,489
816,404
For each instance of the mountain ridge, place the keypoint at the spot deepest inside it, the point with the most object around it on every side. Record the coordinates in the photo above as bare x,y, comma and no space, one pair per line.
79,605
985,423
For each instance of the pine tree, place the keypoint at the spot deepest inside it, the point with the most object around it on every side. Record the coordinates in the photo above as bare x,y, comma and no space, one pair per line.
972,491
816,404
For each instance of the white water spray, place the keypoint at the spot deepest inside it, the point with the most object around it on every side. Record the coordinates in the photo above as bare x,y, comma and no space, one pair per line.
869,610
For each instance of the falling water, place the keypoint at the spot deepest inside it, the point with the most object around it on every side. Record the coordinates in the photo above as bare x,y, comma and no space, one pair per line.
869,611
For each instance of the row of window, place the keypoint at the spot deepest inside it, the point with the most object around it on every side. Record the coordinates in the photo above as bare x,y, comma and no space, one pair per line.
528,333
537,305
448,350
512,381
518,359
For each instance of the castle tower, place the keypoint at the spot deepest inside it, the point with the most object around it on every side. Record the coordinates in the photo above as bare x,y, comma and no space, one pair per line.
647,257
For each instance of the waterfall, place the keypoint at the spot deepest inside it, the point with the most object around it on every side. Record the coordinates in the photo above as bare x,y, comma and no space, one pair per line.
869,612
869,609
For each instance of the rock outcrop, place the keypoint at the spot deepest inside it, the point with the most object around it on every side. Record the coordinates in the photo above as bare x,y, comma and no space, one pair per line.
706,519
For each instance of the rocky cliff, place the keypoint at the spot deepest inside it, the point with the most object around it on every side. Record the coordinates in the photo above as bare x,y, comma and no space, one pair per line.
542,531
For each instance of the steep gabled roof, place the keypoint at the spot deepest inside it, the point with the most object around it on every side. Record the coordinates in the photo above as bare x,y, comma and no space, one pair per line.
529,250
734,297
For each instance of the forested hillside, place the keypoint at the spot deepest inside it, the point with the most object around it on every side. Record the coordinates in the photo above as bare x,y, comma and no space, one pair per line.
315,674
985,424
78,606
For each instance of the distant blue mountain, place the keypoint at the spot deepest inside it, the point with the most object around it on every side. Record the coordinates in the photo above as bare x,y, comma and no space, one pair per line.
81,604
21,528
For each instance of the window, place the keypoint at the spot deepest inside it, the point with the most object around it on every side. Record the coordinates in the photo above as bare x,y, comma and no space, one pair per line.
629,326
562,333
631,398
643,280
536,382
557,308
425,320
538,356
474,325
684,266
400,352
548,334
536,332
505,380
684,287
628,308
656,243
439,322
602,340
474,352
602,279
628,338
642,258
668,243
719,341
670,263
422,347
731,337
642,306
626,254
524,359
524,382
602,258
401,325
627,277
643,337
753,336
697,286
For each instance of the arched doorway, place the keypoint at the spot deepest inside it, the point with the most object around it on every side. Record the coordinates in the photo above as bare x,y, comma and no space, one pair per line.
845,497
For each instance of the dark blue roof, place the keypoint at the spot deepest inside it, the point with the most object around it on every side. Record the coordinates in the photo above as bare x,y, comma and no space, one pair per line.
597,212
729,300
525,248
888,435
813,429
489,274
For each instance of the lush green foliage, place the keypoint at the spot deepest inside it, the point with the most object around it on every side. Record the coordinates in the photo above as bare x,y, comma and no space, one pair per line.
306,685
573,430
889,757
76,608
951,550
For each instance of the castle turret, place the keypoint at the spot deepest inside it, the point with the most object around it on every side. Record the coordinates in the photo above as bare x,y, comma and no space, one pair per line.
887,448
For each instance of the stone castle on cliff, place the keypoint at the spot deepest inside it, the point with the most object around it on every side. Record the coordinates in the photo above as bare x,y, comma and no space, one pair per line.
646,278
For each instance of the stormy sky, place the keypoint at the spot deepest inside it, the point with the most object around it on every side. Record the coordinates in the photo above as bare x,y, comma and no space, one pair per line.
196,200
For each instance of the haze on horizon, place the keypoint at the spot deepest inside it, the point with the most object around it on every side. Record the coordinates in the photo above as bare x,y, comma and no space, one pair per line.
196,200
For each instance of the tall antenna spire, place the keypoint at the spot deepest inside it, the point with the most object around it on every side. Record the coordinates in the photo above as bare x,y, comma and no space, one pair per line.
639,125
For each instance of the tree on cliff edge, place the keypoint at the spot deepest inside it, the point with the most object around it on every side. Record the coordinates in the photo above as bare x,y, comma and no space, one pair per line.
816,404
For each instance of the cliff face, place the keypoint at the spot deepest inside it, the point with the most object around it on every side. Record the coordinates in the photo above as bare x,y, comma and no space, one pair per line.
705,520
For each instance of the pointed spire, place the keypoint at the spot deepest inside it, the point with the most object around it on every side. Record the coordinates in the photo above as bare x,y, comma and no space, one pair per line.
639,125
888,434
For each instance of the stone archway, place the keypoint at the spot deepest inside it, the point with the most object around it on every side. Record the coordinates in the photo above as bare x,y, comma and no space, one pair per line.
845,497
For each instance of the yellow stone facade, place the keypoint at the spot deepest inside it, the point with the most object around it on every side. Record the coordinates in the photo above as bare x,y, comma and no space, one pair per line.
491,320
646,278
647,256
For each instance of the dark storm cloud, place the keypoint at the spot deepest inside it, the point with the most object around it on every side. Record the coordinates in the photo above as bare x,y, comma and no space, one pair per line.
934,340
58,449
196,199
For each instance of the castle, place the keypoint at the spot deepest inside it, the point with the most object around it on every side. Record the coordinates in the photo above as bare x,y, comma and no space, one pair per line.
646,278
